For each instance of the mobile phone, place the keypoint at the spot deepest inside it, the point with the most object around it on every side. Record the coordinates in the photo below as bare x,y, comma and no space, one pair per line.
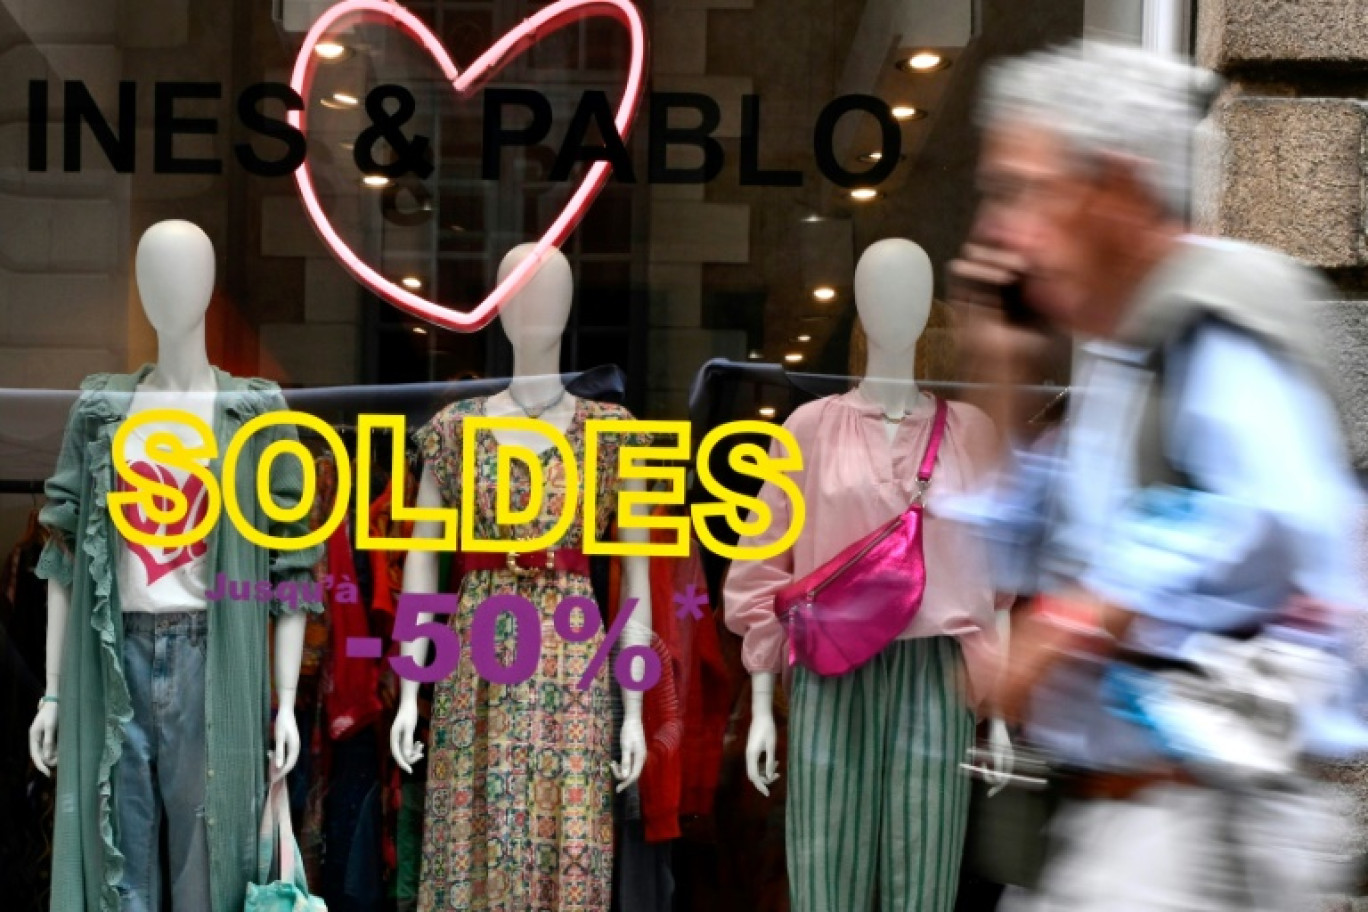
1016,309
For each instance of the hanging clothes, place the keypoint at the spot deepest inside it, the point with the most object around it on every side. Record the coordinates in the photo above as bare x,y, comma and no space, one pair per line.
519,802
353,702
26,795
708,696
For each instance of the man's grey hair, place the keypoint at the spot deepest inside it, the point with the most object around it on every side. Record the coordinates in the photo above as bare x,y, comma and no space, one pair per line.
1109,98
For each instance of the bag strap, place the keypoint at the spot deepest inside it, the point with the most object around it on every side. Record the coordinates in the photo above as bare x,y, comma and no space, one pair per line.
928,463
276,838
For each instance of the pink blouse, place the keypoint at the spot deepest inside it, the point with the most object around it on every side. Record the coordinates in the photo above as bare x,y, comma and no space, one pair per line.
853,480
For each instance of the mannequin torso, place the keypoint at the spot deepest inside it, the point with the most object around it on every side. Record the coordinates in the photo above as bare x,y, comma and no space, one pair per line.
893,291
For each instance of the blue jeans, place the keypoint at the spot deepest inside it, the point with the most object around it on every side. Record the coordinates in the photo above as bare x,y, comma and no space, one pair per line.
162,767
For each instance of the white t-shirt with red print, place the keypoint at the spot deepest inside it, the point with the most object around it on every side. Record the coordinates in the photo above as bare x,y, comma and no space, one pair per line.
156,579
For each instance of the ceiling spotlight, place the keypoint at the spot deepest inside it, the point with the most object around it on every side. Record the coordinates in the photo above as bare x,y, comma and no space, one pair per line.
412,282
375,180
420,330
340,101
872,157
766,411
805,338
812,217
331,50
755,354
347,146
824,293
908,112
864,194
793,357
923,62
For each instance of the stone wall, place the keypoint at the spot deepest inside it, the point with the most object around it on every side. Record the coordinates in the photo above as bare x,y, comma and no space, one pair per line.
1288,163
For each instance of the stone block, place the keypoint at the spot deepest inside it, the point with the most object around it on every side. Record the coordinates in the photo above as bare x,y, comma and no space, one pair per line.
331,295
685,232
725,90
313,355
675,354
286,230
87,234
683,46
1346,331
676,294
1231,33
1289,173
54,368
67,20
155,24
63,310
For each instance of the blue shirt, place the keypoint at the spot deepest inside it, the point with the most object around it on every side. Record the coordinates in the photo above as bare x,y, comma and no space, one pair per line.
1271,513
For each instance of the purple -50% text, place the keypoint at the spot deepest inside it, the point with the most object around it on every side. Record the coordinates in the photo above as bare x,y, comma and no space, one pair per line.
527,641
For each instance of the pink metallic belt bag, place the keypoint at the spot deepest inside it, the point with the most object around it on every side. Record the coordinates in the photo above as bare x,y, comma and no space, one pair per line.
845,612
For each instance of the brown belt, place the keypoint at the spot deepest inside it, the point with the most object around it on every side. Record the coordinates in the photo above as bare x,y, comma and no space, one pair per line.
529,563
1124,786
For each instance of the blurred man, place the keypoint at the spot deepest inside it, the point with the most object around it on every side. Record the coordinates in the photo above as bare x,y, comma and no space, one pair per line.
1199,485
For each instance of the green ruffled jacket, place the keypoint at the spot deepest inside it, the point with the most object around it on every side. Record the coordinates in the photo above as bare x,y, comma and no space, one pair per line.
95,706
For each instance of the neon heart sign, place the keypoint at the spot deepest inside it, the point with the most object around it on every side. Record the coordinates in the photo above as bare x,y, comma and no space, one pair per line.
547,21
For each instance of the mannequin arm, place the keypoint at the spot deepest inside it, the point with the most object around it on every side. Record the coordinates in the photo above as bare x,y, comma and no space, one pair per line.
420,575
43,732
636,584
289,652
762,741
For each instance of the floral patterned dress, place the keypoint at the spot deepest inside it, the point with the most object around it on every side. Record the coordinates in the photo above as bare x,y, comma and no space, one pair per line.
519,795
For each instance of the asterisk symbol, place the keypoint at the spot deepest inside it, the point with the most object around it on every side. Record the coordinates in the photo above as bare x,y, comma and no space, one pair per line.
690,603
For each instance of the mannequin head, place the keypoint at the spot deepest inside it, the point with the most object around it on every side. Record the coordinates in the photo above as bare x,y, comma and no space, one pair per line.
175,270
893,284
534,319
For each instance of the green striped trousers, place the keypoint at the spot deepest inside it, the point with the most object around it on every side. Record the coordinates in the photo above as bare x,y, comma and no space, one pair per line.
877,804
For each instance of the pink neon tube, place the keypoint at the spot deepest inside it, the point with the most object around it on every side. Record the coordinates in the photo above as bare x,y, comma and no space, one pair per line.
547,21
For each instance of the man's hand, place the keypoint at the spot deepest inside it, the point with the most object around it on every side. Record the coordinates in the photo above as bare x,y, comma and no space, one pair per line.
1053,627
978,282
997,353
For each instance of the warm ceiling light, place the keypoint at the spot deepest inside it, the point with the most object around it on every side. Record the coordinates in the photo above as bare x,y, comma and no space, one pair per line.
767,411
341,100
793,357
755,354
411,282
805,338
864,194
346,146
872,157
375,180
923,62
824,293
908,112
420,330
812,217
330,50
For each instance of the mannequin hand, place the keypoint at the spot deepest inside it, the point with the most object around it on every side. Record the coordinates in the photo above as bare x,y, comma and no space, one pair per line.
403,748
286,753
761,743
1001,756
633,754
43,739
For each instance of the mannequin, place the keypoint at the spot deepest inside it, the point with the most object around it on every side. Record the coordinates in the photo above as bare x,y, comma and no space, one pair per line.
847,440
534,322
162,761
